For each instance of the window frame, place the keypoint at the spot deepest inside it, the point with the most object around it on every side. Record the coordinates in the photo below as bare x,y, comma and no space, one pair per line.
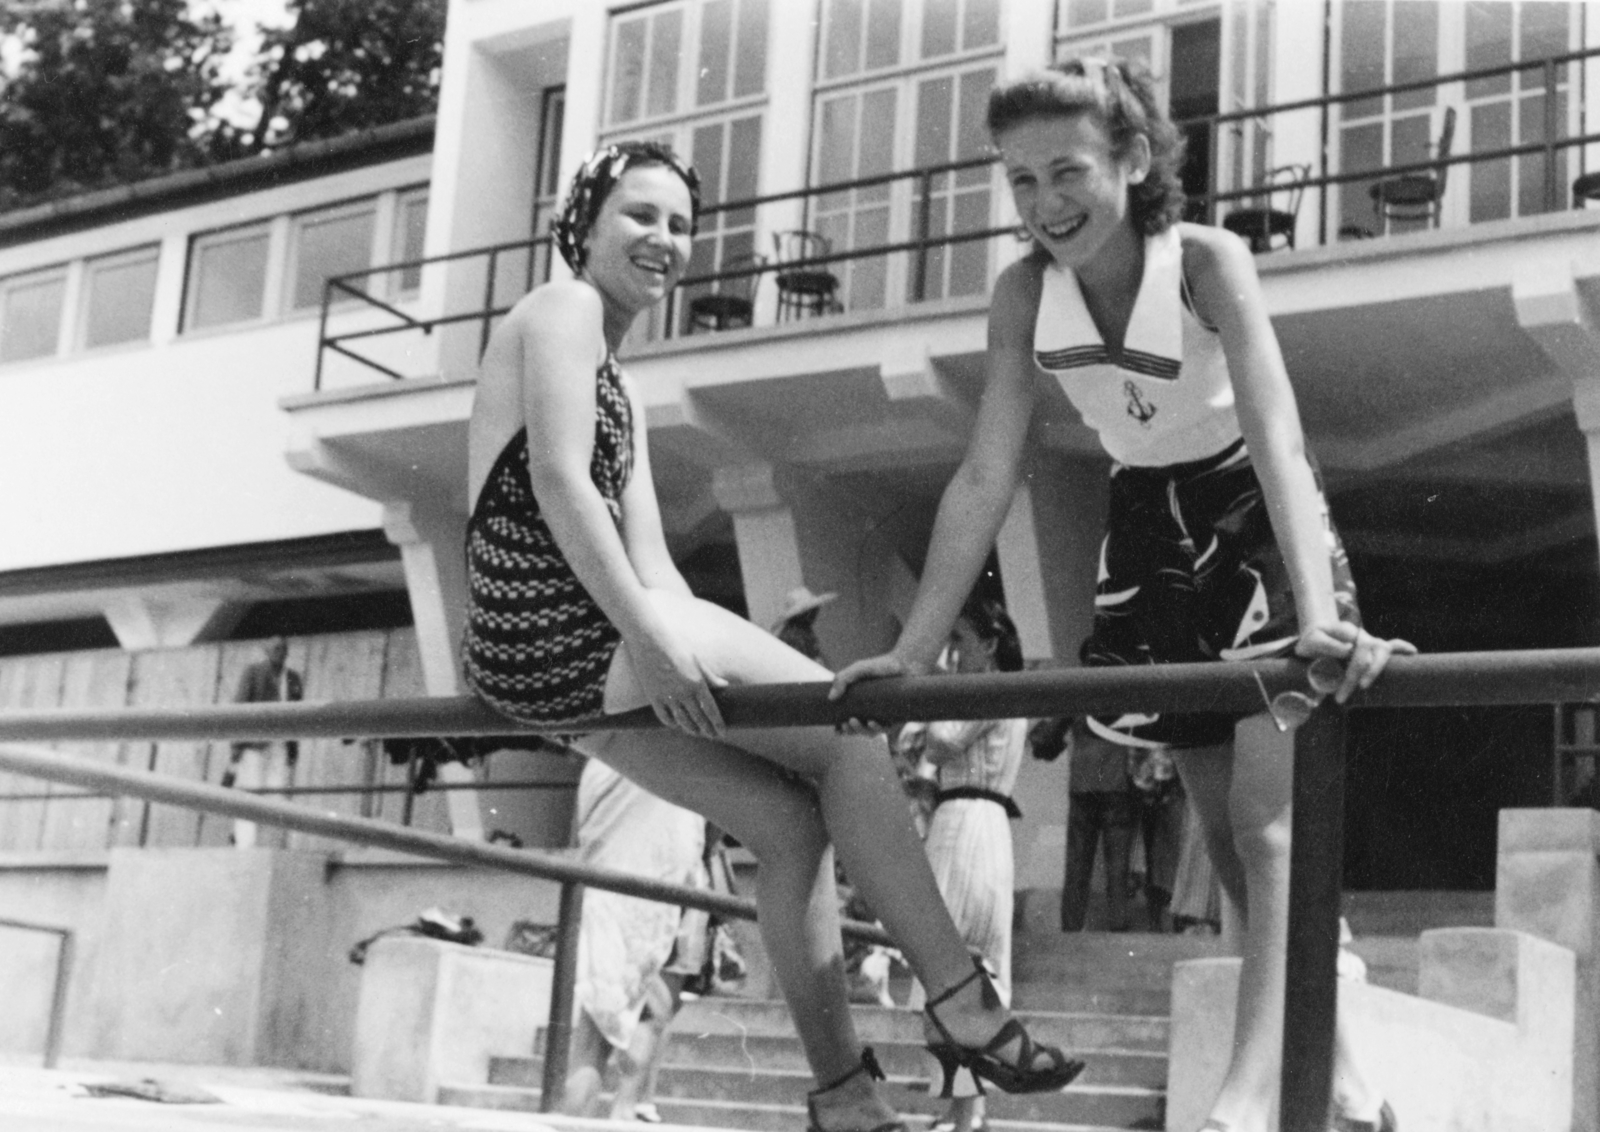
369,204
198,242
910,60
686,94
91,265
62,272
394,282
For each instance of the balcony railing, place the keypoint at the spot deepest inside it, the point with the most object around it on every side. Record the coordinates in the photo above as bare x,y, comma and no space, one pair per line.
919,262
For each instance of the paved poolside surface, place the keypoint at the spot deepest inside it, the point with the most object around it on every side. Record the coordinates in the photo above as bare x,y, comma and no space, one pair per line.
33,1099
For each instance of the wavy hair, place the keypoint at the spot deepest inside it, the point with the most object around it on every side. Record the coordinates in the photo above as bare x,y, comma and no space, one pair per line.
1120,95
595,179
991,622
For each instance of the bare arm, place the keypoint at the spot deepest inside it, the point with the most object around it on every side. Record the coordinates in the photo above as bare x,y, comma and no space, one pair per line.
975,502
1227,294
950,740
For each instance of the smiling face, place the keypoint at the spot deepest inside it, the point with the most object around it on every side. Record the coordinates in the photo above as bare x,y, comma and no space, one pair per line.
639,244
1070,188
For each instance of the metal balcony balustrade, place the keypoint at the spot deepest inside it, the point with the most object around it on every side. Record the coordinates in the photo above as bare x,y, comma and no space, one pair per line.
928,184
1283,686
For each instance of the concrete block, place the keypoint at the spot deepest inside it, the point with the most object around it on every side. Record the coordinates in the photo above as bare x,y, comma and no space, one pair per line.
1486,1047
432,1013
202,954
1547,884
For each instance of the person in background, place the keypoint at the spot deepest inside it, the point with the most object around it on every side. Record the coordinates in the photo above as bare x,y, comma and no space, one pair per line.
969,835
796,626
1100,812
624,1005
260,764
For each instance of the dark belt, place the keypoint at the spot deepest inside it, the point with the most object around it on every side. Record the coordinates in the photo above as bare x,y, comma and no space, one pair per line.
1004,801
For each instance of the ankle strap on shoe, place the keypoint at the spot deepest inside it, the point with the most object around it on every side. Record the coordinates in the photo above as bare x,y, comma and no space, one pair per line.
990,997
869,1065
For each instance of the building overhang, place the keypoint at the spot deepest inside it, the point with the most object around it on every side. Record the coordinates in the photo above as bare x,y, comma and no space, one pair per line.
1442,357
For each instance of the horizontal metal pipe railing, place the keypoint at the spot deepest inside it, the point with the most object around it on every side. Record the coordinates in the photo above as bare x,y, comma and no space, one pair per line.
1435,680
1310,996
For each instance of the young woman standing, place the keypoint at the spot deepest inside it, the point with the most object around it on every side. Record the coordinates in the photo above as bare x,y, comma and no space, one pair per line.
1218,544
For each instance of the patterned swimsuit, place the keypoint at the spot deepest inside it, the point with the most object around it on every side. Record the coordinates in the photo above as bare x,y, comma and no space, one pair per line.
537,647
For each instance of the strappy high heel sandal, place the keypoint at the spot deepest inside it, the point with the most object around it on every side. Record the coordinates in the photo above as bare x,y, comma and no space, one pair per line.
1024,1075
869,1066
1386,1122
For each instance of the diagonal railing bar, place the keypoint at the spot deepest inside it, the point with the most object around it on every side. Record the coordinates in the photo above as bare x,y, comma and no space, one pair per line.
77,770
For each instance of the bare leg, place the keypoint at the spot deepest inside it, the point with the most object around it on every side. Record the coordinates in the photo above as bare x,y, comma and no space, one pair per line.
1242,797
588,1055
642,1059
856,787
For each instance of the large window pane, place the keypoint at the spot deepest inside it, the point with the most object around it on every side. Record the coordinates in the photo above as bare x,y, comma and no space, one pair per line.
1086,13
30,324
939,27
410,236
627,69
750,66
119,294
326,246
227,278
883,33
1491,180
1361,54
980,25
1361,148
666,39
1416,50
716,36
1488,31
1545,32
843,54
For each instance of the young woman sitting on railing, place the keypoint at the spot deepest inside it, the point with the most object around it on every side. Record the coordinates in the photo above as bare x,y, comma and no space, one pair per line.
1218,545
577,611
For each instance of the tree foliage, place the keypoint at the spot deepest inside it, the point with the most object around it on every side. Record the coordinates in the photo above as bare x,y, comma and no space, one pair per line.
348,65
106,92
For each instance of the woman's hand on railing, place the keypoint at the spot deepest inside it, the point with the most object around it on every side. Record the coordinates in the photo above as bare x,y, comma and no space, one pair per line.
872,668
677,685
1363,654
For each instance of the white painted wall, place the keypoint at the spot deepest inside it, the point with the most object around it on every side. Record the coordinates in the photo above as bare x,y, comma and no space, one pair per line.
176,443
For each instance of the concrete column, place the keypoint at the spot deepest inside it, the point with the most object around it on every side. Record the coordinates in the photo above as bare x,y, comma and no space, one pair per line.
1547,883
430,542
141,622
792,532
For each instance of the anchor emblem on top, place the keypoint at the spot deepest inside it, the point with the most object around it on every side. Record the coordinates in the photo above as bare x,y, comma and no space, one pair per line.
1138,408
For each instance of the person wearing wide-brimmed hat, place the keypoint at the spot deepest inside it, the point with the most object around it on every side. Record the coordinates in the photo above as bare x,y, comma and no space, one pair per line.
796,625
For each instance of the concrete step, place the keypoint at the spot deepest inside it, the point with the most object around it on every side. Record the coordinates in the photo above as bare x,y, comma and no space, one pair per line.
878,1025
1104,960
686,1053
1075,1109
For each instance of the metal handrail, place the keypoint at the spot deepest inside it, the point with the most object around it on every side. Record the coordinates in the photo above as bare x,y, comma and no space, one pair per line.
1524,676
1550,146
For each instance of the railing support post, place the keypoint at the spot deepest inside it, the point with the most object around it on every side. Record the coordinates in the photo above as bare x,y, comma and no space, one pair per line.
1552,199
558,1031
1316,860
919,287
58,1002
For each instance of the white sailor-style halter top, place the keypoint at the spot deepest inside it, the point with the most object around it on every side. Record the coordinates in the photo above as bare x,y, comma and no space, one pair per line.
1167,399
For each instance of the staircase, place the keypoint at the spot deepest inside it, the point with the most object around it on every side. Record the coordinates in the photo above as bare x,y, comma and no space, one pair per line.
736,1063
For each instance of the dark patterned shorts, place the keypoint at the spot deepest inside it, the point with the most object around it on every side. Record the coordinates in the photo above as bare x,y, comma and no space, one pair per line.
1190,571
